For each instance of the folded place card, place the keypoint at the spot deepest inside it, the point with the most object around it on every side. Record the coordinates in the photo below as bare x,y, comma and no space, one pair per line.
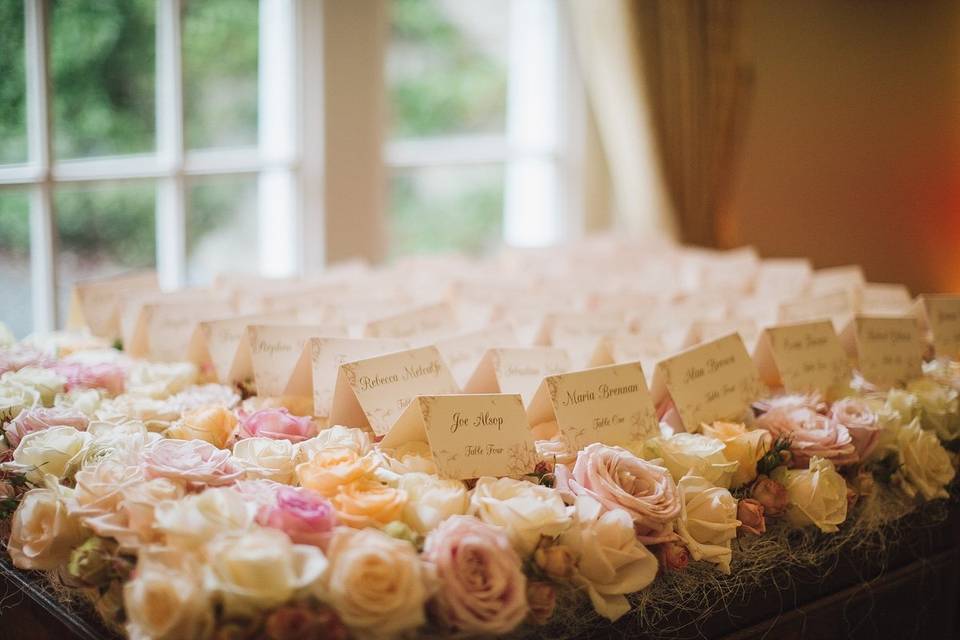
373,392
421,325
836,306
325,356
95,304
706,330
883,299
782,278
608,404
712,381
517,370
163,331
940,313
837,279
469,435
463,353
276,349
888,350
802,358
577,333
224,344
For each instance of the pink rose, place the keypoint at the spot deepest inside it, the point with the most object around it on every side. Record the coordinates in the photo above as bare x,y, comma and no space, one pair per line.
278,424
771,494
483,590
810,434
813,401
673,556
620,480
305,516
750,515
860,421
19,356
40,418
109,376
198,463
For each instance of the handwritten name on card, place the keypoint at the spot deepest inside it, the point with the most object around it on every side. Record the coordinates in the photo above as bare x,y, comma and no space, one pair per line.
941,314
326,356
883,299
803,358
423,324
833,279
225,341
166,330
276,349
463,353
713,381
606,404
888,350
836,306
470,435
517,370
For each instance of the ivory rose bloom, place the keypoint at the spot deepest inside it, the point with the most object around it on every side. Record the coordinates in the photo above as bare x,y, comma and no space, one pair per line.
938,407
862,423
303,515
331,468
278,424
192,521
45,382
620,480
555,451
925,466
525,510
376,583
49,452
99,492
199,396
334,437
160,379
818,495
684,453
138,509
86,401
265,458
195,462
811,434
611,562
482,589
121,442
410,457
708,521
210,424
42,532
165,599
15,398
431,500
156,415
368,503
740,446
40,418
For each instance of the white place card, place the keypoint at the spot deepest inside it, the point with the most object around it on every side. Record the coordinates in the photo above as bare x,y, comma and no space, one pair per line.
517,370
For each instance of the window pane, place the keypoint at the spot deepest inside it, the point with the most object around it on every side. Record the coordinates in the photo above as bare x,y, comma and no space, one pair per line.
103,230
446,67
13,92
443,208
221,227
220,73
102,65
15,261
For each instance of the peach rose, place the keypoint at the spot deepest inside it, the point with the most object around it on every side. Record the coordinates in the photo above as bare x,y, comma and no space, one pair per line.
42,532
329,469
741,446
210,424
750,515
368,503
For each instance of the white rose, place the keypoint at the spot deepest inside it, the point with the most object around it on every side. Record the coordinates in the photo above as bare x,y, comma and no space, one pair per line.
610,560
377,584
42,532
265,458
694,454
165,599
260,569
49,451
335,436
119,442
938,407
205,395
410,457
192,521
431,500
525,510
14,398
741,446
708,521
160,379
86,401
904,403
818,495
155,414
99,491
925,466
44,381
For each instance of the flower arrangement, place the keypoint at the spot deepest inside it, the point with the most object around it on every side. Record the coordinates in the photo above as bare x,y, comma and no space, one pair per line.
181,511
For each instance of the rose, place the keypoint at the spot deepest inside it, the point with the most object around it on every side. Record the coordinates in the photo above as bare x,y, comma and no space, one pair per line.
332,468
98,495
938,407
303,621
377,584
42,532
482,587
18,356
278,424
810,434
812,402
904,403
862,423
40,418
673,556
121,442
750,515
303,515
199,396
265,458
86,401
160,379
155,414
818,495
410,457
368,503
708,521
611,561
334,437
93,561
262,493
164,600
210,424
192,521
431,500
620,480
14,398
684,453
99,375
555,451
925,466
195,462
525,510
138,507
49,451
46,382
740,446
259,569
542,598
555,560
771,494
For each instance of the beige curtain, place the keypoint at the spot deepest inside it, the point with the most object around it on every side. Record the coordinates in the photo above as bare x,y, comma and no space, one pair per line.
669,91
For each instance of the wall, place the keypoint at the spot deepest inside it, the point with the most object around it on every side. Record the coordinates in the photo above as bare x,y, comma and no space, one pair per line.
852,153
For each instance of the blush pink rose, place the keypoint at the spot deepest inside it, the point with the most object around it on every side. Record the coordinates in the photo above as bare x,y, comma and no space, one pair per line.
672,556
750,515
108,376
40,418
810,434
860,421
483,590
278,424
18,356
812,401
199,464
305,516
620,480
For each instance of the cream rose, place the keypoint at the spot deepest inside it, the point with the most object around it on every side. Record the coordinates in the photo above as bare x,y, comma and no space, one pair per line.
44,381
925,466
199,396
265,458
98,495
708,521
525,510
42,532
818,495
211,424
138,507
192,521
156,415
165,599
14,398
49,452
160,379
86,401
741,446
119,442
938,407
692,453
611,562
377,584
410,457
336,436
431,500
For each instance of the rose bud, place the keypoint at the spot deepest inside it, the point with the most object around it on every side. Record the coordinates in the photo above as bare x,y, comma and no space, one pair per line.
91,562
750,515
865,484
555,560
771,494
542,598
852,496
673,556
